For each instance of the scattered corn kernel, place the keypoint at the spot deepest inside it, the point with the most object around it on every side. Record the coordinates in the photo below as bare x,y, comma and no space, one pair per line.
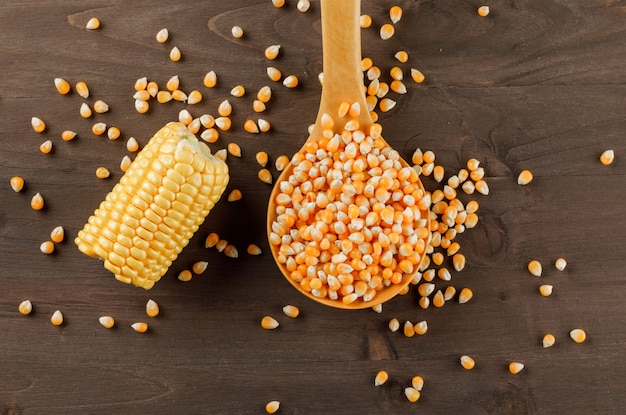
524,177
17,183
234,195
25,307
402,56
140,327
221,245
163,97
85,111
417,382
37,201
82,89
578,335
291,81
291,311
467,362
234,149
185,275
303,5
125,163
422,327
106,321
269,323
272,406
102,173
265,176
412,394
560,264
251,127
607,157
62,86
408,329
93,23
546,290
199,267
381,377
194,97
132,145
394,325
231,251
210,79
274,73
57,234
175,54
38,125
237,32
465,295
516,367
264,125
152,88
281,162
386,104
162,35
253,249
57,318
46,147
365,21
221,154
271,52
417,76
238,91
113,133
395,14
152,308
141,106
386,31
211,240
179,95
483,11
141,83
534,267
262,158
378,308
548,341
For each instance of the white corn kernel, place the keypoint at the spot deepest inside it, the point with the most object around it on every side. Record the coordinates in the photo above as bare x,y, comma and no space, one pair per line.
162,35
607,157
57,318
560,264
25,307
106,321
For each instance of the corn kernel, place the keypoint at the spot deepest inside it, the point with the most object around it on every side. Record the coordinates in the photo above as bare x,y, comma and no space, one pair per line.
234,149
264,125
231,251
253,249
402,56
546,290
25,307
607,157
46,147
237,32
185,275
422,327
57,318
62,86
17,183
38,125
560,264
412,394
386,31
548,341
140,327
534,267
251,127
152,308
262,158
483,11
272,406
394,325
274,73
381,377
210,79
85,111
199,267
408,329
515,367
57,234
525,177
93,24
125,163
175,54
106,321
265,176
68,135
578,335
82,89
303,5
281,162
113,133
417,76
291,311
291,81
102,173
467,362
37,201
152,88
47,247
417,382
365,21
194,97
162,35
271,52
269,323
465,295
141,106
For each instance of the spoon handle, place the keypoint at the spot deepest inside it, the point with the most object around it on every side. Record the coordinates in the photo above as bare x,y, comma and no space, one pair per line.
341,45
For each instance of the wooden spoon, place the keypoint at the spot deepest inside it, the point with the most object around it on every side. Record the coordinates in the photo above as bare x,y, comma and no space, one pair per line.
342,83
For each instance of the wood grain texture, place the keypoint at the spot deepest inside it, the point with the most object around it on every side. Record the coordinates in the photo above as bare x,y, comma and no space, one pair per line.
536,84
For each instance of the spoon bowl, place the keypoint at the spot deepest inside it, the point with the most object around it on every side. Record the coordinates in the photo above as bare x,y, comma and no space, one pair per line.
312,258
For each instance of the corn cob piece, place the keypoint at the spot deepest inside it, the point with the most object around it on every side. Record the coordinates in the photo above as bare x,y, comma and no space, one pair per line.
150,215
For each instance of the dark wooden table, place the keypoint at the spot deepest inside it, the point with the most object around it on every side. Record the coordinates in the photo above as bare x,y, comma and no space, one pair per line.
537,85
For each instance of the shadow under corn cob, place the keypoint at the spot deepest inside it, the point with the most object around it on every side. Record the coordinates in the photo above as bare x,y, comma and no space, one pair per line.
158,204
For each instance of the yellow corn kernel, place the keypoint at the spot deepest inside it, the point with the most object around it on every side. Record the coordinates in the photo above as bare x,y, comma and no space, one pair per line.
194,97
152,88
46,147
438,300
57,234
163,97
398,87
386,31
395,14
274,73
194,126
113,133
17,183
82,89
548,341
25,307
381,377
424,302
408,329
465,295
100,106
265,176
251,127
386,104
185,275
210,79
271,52
68,135
37,201
47,247
223,123
291,81
143,95
560,264
402,56
366,64
578,335
85,111
102,173
417,382
175,54
524,177
173,83
515,367
467,362
396,73
449,293
421,328
483,11
373,73
281,162
125,163
303,5
152,308
607,157
179,95
211,240
412,394
132,145
158,204
253,249
57,318
458,261
482,187
62,86
291,311
98,128
534,267
234,149
106,321
221,154
221,245
231,251
417,76
38,125
546,290
199,267
141,106
140,327
234,195
262,158
93,23
162,35
269,323
394,325
264,94
365,21
237,32
264,125
272,406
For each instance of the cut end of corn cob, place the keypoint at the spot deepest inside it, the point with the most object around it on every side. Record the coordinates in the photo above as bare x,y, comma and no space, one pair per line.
154,210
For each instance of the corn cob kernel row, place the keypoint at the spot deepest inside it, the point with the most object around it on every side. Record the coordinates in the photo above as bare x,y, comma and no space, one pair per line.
150,215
